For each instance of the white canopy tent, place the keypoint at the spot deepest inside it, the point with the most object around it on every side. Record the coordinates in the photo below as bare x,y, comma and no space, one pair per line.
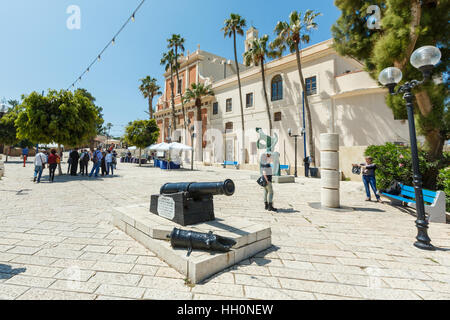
174,150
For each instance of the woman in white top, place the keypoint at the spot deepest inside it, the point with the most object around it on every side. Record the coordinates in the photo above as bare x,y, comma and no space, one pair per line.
109,163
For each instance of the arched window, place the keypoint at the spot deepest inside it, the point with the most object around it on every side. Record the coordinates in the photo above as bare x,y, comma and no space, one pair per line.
277,88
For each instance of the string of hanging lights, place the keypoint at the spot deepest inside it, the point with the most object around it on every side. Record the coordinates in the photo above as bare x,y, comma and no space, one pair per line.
112,42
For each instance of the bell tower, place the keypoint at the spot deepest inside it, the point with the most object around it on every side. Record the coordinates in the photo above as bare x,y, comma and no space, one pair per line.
252,34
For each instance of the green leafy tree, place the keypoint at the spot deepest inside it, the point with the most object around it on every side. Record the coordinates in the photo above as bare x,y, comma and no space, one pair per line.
62,117
405,26
141,133
290,36
234,26
177,43
196,93
150,89
91,98
8,134
168,61
256,55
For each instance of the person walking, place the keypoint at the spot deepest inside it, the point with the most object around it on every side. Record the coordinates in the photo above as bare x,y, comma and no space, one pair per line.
109,159
84,163
114,153
39,164
97,159
266,172
53,160
25,153
103,164
69,162
369,178
75,156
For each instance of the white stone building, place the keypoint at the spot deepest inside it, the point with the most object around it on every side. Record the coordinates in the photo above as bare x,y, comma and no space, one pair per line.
343,98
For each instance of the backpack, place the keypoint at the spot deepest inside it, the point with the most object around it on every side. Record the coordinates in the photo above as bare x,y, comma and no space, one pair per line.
395,189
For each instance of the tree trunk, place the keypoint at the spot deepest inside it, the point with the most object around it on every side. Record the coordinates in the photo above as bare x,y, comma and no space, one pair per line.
140,152
263,74
174,124
198,104
308,109
150,106
181,93
59,164
240,100
416,15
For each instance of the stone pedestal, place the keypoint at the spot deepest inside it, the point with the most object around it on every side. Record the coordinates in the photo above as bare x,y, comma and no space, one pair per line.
329,170
152,231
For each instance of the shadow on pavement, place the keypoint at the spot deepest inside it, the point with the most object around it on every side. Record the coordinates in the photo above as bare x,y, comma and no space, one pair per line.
368,209
290,210
7,272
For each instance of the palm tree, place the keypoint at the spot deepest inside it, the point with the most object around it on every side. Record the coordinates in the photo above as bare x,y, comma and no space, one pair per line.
291,35
256,55
150,89
175,43
235,25
108,128
168,60
197,92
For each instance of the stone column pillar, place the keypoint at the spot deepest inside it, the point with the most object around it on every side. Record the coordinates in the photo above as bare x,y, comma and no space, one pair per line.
329,171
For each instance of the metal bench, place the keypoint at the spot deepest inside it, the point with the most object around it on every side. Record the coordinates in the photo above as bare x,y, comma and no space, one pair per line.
434,202
282,167
230,163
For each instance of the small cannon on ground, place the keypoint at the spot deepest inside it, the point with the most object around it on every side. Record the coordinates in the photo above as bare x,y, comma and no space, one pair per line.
189,203
201,241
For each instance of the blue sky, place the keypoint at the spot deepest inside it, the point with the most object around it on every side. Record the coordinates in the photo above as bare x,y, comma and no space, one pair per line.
39,52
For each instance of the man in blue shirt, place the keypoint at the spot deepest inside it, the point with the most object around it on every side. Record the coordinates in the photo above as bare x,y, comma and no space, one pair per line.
25,152
97,158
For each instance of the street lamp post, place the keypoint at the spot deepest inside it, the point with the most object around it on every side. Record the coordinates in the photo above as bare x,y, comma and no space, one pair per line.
424,59
295,136
191,130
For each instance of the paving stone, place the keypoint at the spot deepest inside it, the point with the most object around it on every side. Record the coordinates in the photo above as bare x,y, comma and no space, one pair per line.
42,294
167,272
301,274
256,281
30,281
24,250
60,253
11,292
273,294
120,291
408,284
387,294
74,273
116,278
101,249
230,290
112,267
33,260
164,283
144,270
320,287
74,263
75,286
156,294
152,261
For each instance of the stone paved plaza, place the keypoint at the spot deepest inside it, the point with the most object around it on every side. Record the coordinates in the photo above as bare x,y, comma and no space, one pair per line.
57,242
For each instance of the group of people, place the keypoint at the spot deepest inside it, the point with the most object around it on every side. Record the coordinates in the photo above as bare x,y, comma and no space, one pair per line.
106,161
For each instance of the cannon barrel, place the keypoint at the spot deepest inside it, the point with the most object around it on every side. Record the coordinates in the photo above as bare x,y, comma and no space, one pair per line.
199,189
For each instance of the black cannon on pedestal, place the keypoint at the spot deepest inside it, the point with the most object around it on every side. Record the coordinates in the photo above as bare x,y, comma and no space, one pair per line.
189,203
